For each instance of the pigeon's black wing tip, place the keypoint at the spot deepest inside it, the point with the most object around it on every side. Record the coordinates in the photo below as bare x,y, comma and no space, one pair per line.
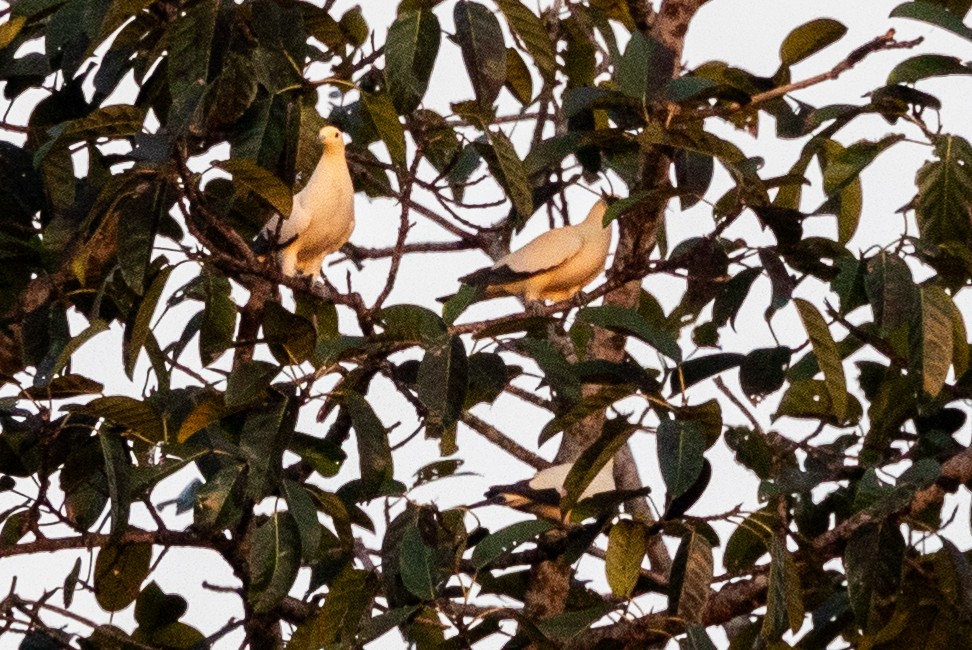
498,275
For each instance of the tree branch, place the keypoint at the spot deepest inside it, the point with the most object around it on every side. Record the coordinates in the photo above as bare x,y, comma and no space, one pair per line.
493,435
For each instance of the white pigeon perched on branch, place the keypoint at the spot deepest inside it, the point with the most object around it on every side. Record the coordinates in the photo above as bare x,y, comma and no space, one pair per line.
555,266
542,494
322,217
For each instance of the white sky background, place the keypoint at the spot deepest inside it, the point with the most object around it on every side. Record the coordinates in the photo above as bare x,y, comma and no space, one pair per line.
744,33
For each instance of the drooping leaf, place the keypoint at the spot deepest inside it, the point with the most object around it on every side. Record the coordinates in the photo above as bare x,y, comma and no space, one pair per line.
890,290
784,600
931,339
417,565
585,469
137,333
528,27
382,114
873,557
692,571
483,49
411,47
828,356
219,317
518,79
118,574
680,448
373,448
514,178
695,370
943,193
751,540
274,559
301,507
847,165
627,543
443,379
138,417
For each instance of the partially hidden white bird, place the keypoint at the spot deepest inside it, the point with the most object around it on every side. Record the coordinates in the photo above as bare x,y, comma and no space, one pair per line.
555,266
542,494
322,217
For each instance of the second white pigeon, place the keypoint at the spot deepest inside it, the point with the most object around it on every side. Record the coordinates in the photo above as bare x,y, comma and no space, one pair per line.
322,217
555,266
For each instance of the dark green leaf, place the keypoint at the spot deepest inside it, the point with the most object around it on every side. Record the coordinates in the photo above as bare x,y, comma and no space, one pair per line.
483,49
589,464
139,418
154,609
750,541
248,382
138,332
273,560
943,193
695,370
443,379
218,501
373,448
411,47
301,507
250,176
518,79
847,165
627,321
219,317
514,178
924,66
413,323
417,565
71,583
873,557
890,290
828,356
933,14
528,27
507,539
118,574
680,448
382,114
784,600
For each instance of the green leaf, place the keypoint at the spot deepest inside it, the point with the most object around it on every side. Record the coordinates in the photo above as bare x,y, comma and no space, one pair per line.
518,79
628,321
382,114
219,317
506,539
828,356
645,68
890,290
784,598
692,572
263,440
924,66
218,501
848,164
119,572
248,382
417,565
301,507
944,187
374,452
483,49
347,602
931,339
154,609
763,371
413,323
588,404
693,371
730,299
809,38
627,543
873,559
250,176
810,399
117,469
487,378
514,178
139,418
443,379
529,28
567,625
693,175
935,15
411,47
696,638
116,121
750,541
274,559
138,332
680,448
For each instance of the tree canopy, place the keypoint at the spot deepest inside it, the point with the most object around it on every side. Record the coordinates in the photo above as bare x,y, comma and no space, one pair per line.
146,142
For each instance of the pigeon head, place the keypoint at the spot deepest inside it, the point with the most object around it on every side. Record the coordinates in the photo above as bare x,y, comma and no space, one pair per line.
332,138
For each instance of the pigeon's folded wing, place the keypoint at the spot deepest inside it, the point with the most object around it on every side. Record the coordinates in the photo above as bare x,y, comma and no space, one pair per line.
545,253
